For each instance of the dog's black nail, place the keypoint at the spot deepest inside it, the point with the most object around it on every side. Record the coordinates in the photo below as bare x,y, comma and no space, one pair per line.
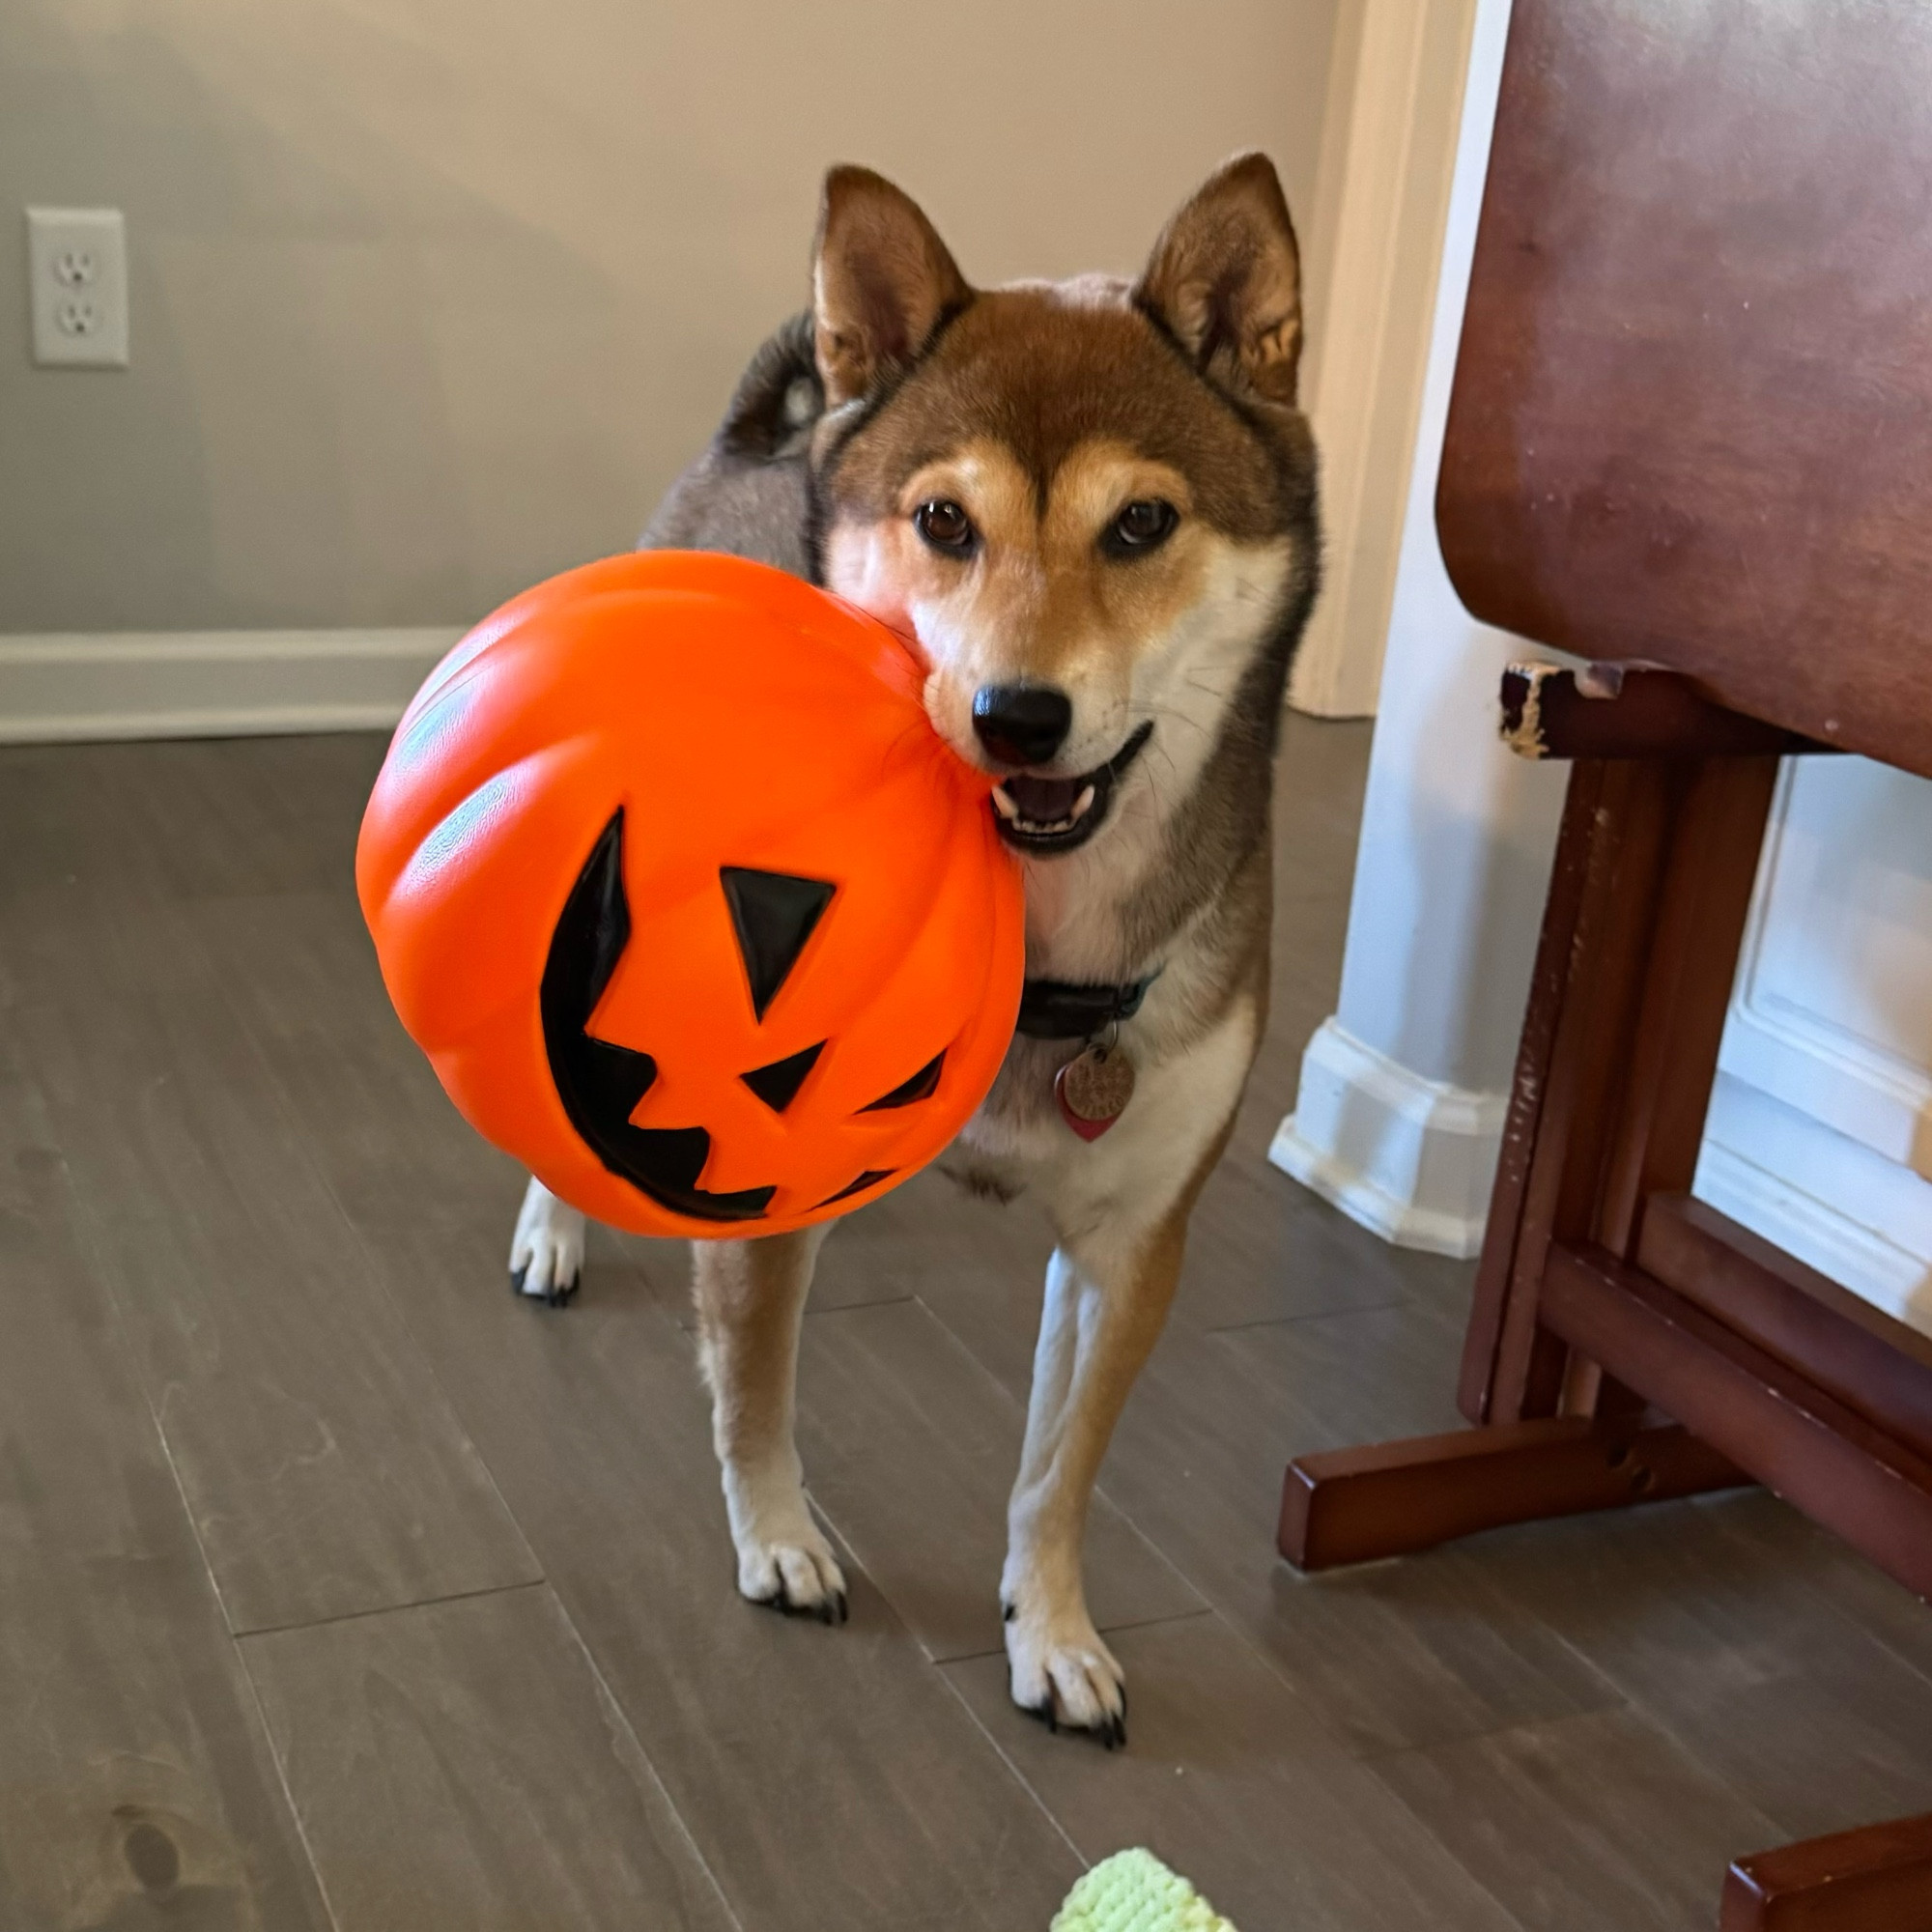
517,1278
1009,1611
844,1606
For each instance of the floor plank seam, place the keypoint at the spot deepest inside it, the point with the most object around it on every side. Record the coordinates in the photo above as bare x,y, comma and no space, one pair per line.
623,1716
1837,1613
857,1307
86,1243
243,1636
1504,1914
1310,1315
292,1114
1105,1629
80,1226
1013,1770
283,1786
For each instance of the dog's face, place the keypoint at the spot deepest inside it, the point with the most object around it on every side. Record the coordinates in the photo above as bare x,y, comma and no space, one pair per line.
1088,505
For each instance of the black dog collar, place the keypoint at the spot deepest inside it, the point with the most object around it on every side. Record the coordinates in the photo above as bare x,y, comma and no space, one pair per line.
1063,1009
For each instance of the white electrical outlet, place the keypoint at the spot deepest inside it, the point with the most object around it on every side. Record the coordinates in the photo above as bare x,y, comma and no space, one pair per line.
78,273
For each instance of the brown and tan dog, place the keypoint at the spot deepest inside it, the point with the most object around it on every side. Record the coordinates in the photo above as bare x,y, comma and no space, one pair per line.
1091,506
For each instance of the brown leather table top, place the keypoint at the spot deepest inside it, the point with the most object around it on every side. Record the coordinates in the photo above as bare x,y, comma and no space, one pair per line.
1692,415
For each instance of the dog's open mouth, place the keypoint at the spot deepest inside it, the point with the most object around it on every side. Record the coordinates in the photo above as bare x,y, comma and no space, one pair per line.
1057,814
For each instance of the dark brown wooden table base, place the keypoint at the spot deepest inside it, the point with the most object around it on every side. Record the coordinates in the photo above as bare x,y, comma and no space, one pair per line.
1627,1343
1877,1880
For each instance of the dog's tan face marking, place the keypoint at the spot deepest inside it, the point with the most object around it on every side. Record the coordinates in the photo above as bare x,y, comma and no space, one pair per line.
1039,600
1043,413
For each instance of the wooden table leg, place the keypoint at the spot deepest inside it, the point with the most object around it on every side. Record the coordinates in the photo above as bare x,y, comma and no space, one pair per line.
1394,1499
1875,1880
1580,1323
1646,912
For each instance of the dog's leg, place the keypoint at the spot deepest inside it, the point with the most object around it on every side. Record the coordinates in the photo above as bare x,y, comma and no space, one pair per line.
547,1250
1106,1303
750,1300
1122,1226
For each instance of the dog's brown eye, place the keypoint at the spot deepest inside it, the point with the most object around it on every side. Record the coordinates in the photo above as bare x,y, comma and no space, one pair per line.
945,525
1140,527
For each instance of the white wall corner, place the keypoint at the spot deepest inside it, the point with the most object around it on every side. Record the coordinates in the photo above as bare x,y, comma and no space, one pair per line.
1409,1158
1389,144
76,687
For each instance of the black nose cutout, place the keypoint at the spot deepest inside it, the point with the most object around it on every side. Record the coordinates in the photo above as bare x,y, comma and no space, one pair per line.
1021,724
778,1084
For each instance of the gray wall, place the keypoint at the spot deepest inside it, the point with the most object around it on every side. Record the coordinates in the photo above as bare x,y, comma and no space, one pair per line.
432,298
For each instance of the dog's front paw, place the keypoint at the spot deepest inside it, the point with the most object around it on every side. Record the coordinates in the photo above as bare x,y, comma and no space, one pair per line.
794,1571
547,1250
1059,1671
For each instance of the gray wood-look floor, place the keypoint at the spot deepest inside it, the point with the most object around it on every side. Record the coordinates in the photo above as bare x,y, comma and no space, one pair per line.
339,1588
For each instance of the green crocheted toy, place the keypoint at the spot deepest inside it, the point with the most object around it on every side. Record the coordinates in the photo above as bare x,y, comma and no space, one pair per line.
1133,1892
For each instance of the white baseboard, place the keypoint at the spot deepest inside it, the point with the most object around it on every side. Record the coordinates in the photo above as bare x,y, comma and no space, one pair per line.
74,687
1821,1195
1412,1159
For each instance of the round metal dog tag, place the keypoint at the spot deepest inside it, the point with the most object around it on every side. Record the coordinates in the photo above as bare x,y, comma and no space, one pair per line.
1093,1089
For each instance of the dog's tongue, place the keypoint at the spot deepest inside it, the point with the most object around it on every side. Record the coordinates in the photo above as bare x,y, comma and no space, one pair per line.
1044,801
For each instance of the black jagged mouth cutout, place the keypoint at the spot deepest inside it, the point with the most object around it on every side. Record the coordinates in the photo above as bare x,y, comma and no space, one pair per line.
778,1084
773,915
872,1178
601,1083
922,1086
1064,836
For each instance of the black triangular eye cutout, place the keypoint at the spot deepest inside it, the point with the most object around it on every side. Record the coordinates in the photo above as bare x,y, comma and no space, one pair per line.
872,1178
922,1086
778,1084
774,914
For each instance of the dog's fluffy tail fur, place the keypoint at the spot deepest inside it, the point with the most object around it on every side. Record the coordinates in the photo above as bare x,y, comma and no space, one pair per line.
746,494
777,398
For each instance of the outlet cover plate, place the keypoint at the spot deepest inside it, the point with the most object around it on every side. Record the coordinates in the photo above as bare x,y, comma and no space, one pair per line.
77,278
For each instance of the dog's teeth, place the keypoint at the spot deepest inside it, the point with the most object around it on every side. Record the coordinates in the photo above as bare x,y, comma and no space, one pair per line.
1004,806
1084,803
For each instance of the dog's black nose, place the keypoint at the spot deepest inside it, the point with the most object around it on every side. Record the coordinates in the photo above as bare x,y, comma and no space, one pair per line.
1021,724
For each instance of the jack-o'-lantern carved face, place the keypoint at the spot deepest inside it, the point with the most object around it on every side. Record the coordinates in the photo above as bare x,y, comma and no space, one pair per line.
685,903
602,1082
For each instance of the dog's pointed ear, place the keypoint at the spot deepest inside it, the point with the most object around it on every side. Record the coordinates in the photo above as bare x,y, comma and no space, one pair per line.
1225,279
881,281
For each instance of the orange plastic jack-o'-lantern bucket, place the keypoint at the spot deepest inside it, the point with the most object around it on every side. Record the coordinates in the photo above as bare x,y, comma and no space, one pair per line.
690,908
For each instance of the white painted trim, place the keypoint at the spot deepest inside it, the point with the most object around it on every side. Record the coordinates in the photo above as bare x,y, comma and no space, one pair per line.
1793,1179
1411,1159
73,686
1805,1058
1394,120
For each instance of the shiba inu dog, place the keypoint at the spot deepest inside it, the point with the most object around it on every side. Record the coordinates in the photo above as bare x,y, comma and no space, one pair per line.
1091,507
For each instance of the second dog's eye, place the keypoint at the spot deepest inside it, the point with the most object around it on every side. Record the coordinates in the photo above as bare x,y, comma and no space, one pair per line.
945,525
1141,526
